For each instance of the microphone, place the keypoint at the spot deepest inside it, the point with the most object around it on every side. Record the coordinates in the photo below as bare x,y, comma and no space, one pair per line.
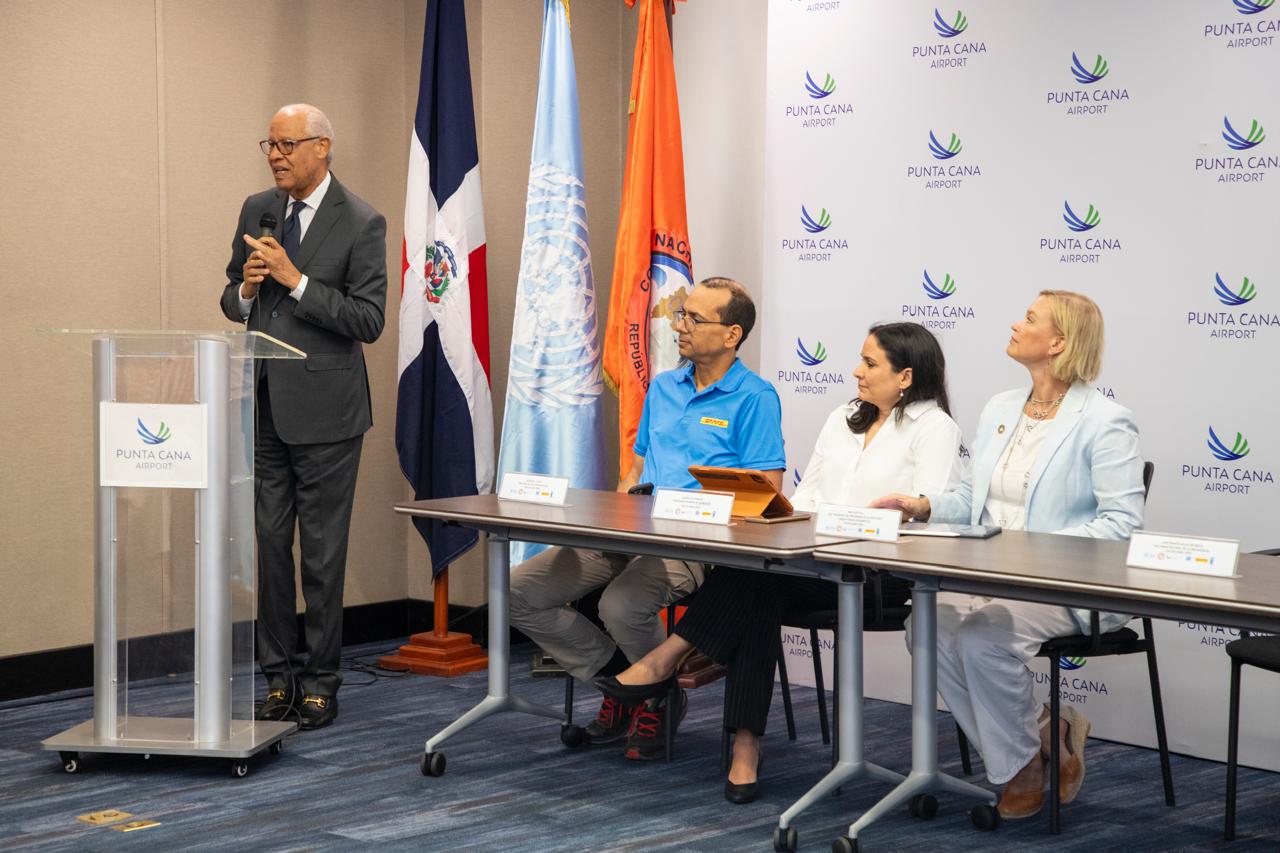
267,225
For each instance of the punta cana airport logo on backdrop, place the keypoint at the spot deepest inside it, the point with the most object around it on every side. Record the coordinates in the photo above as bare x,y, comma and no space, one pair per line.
1245,324
1223,467
945,173
815,245
1088,97
1248,27
938,311
817,108
952,47
1238,161
1080,245
809,378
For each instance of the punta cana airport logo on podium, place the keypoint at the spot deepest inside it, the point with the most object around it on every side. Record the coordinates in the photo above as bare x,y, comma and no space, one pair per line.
950,50
1087,248
815,5
1242,325
939,312
820,110
1249,27
1087,98
805,379
159,436
814,248
945,174
1238,161
1232,477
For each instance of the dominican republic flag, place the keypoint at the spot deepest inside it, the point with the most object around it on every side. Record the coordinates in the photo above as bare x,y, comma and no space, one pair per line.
552,421
444,411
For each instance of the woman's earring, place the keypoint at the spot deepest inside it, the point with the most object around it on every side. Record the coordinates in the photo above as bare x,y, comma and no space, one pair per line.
900,393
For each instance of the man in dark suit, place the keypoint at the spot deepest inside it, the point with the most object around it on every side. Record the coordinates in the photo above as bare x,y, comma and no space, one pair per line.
319,283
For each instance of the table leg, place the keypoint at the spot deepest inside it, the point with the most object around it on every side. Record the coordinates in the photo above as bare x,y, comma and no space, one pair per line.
849,761
499,698
924,777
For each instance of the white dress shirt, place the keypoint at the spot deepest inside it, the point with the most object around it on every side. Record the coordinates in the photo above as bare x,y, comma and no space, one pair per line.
305,215
919,454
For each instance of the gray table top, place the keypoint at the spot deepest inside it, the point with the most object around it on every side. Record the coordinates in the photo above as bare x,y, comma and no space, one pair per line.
1073,569
620,518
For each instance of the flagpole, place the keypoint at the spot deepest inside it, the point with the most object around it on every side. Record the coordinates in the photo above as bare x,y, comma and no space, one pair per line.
440,600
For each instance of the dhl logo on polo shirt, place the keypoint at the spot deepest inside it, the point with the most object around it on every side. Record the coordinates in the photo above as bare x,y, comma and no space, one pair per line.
715,422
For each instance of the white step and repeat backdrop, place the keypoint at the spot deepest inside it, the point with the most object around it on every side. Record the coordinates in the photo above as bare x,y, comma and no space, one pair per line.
942,166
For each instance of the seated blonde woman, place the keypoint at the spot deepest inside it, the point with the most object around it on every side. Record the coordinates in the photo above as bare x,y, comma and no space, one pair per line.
1056,457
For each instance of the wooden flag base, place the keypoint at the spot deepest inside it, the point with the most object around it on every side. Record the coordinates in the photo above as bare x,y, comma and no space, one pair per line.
439,651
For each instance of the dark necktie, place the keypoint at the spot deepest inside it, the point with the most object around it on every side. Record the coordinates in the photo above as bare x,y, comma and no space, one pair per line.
291,236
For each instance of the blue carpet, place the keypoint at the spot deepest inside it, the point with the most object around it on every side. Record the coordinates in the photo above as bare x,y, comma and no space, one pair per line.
511,785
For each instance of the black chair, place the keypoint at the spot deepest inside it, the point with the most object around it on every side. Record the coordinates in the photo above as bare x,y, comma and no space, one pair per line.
1264,653
1122,641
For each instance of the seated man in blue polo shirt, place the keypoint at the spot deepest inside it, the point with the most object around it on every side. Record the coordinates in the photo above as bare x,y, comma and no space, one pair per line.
711,410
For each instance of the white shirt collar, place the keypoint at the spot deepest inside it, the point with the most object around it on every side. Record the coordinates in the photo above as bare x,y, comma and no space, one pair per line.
317,195
919,407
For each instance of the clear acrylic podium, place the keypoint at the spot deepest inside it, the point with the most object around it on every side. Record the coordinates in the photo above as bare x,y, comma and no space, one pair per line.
174,564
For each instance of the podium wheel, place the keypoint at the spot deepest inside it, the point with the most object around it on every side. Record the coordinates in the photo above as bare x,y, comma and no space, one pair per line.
276,748
70,761
239,769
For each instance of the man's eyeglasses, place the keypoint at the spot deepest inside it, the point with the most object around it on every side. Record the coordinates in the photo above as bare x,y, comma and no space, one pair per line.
285,146
682,317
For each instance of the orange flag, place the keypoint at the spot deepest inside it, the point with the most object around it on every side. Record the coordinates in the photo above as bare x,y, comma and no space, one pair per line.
652,272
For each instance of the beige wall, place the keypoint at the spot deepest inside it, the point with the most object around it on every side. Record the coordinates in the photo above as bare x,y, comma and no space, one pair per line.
127,135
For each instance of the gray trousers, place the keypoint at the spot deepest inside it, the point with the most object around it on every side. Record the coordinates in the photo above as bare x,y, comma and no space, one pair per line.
638,588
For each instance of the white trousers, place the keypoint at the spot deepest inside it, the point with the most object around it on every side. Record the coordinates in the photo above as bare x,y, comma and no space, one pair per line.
984,646
638,588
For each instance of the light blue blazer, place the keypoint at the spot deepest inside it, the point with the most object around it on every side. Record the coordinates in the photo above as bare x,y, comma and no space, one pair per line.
1086,481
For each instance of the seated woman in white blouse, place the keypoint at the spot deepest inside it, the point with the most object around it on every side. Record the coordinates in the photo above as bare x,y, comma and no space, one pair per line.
1057,457
898,434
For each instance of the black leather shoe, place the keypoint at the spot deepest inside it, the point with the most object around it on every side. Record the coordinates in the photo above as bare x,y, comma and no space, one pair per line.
633,694
281,704
741,794
317,711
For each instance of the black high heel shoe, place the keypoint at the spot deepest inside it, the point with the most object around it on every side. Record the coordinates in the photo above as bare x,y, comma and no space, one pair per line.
633,694
747,792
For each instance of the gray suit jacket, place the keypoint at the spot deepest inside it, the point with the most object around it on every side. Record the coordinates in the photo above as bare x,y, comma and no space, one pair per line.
324,398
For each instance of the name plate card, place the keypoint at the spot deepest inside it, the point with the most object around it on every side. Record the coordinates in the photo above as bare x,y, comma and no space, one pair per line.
880,525
534,488
1190,554
697,505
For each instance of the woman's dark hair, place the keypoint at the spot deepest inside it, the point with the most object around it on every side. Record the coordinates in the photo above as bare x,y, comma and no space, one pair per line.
907,345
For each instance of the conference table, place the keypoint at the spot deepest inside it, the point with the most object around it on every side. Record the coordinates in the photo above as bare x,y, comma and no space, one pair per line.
1066,570
611,521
